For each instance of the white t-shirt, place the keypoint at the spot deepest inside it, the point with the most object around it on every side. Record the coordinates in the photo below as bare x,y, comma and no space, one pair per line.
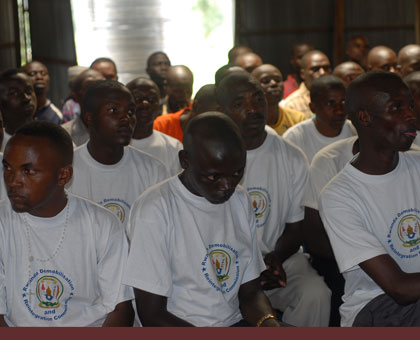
306,136
275,177
366,216
193,252
115,186
80,285
77,130
3,192
327,163
163,147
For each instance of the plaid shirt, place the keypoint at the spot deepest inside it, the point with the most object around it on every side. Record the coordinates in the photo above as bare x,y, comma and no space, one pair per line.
299,101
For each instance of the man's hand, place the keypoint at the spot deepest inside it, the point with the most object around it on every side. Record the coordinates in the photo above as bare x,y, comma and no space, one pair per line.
274,276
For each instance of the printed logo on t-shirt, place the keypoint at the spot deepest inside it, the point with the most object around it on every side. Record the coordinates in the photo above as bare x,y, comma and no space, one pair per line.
47,293
223,259
118,206
261,203
404,234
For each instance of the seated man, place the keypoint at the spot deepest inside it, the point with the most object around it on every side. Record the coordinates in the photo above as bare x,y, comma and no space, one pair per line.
279,118
194,257
409,59
291,84
107,170
382,58
163,147
17,101
315,64
347,71
275,176
174,124
61,256
330,122
179,89
370,209
45,110
77,127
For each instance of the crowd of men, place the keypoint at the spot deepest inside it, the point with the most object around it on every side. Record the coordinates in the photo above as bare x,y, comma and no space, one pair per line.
259,202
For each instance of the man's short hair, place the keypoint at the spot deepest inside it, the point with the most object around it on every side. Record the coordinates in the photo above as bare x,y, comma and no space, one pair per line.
59,138
325,83
104,59
149,58
5,77
360,92
96,93
412,80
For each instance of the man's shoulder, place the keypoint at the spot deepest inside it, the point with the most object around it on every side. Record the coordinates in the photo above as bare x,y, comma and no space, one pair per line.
299,128
168,140
143,158
335,150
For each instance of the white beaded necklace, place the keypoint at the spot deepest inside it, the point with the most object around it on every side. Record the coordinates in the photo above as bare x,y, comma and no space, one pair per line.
31,258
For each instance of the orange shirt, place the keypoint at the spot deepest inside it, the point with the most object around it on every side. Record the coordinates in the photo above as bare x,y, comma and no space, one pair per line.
170,124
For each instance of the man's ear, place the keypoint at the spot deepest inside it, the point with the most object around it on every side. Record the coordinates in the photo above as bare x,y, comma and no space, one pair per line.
363,117
312,106
183,159
88,118
302,73
64,175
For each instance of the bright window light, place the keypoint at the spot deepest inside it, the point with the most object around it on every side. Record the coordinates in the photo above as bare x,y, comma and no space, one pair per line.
195,33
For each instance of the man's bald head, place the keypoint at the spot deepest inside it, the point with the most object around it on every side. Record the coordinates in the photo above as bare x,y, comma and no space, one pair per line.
248,61
84,80
232,83
382,58
205,100
179,87
213,158
315,64
225,70
212,130
142,82
235,51
409,59
347,71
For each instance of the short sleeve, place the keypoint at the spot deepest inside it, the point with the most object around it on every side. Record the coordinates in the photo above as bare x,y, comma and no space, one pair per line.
148,267
298,177
352,243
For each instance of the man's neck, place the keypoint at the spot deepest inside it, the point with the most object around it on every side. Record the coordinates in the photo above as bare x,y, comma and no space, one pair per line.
273,112
326,130
255,142
41,101
11,127
105,154
55,206
375,162
143,131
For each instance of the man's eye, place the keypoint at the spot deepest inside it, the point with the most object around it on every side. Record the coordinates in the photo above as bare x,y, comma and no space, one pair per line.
28,171
112,110
131,112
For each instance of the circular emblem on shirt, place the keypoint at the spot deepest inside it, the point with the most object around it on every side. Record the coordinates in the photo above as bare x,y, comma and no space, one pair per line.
404,234
408,230
46,295
117,209
261,204
220,267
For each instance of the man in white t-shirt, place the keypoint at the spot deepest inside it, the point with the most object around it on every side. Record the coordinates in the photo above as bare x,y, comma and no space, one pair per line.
61,257
194,258
107,170
162,146
371,209
275,177
17,101
330,123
